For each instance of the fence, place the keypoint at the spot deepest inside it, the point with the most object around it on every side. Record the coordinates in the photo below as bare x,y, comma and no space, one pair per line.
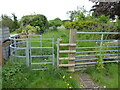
30,48
87,52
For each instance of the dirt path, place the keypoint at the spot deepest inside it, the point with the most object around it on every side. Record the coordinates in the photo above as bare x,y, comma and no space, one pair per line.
87,82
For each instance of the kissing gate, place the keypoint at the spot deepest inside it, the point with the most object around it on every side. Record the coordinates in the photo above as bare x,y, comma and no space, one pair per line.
29,49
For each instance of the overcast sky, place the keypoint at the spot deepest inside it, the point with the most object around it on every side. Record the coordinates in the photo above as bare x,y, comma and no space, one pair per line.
50,8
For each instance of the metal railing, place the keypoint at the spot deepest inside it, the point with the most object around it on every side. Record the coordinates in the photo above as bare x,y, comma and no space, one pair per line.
24,43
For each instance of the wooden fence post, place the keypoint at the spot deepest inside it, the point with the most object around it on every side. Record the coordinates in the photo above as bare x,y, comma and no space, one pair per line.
72,39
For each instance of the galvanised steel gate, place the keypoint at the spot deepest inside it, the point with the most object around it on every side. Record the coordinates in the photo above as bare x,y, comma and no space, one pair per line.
37,52
92,46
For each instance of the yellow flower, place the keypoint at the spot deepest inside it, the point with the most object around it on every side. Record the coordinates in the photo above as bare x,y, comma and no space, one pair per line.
70,87
45,59
63,77
70,76
68,84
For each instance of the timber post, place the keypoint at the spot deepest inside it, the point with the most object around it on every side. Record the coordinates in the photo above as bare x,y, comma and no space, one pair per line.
72,40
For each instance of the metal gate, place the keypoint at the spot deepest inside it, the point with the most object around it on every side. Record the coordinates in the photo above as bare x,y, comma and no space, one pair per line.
88,49
35,51
95,46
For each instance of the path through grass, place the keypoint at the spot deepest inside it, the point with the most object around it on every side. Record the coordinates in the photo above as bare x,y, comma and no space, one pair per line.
108,77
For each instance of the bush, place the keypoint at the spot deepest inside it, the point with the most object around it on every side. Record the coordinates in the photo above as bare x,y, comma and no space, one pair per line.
102,19
36,20
79,24
53,24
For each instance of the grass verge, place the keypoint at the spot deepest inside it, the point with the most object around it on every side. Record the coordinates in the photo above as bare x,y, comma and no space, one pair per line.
107,77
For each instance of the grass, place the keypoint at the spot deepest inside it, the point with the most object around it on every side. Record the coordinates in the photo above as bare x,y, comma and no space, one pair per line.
107,77
16,75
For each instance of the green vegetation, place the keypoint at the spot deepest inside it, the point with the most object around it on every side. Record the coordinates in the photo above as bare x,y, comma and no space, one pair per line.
17,75
53,24
107,77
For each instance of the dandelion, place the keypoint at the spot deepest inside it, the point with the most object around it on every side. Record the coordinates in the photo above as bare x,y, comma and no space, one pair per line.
68,84
70,87
70,76
63,77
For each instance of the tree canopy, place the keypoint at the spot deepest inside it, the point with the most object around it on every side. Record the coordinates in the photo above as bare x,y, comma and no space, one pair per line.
36,20
6,21
107,8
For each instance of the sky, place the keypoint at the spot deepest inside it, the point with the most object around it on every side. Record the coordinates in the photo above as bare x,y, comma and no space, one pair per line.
50,8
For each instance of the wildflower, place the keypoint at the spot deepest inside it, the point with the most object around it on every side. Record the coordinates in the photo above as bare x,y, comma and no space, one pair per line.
45,59
70,76
63,77
104,86
70,87
68,84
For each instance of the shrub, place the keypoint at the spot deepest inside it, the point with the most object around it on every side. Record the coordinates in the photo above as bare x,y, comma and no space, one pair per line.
79,24
36,20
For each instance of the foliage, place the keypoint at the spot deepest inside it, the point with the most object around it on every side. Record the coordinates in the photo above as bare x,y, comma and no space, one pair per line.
53,24
102,19
79,24
100,64
56,22
7,22
16,76
78,14
107,8
36,20
12,72
117,24
15,21
30,29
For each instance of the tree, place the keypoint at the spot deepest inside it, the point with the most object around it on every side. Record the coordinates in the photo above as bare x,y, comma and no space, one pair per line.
77,14
36,20
15,21
56,22
7,22
107,8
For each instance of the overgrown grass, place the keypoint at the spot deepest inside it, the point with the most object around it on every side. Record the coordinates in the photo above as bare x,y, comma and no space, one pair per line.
16,75
107,77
